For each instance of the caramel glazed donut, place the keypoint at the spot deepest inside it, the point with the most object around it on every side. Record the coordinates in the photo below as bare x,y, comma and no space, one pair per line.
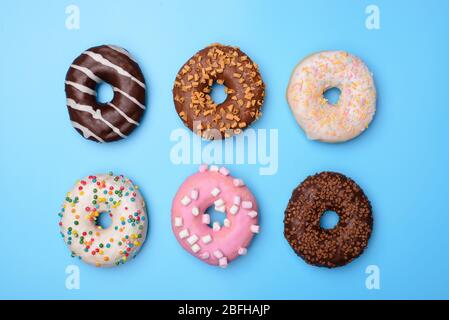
105,122
224,65
328,247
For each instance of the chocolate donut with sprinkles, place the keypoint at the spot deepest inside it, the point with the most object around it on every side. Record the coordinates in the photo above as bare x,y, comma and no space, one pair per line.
114,120
328,191
217,244
224,65
101,194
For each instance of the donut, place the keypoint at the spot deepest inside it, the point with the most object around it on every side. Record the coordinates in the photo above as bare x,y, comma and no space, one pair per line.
108,194
356,106
215,187
328,247
114,120
224,65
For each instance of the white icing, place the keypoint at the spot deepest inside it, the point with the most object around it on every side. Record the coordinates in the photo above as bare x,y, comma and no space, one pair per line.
129,97
122,51
108,255
81,88
87,72
320,119
86,132
99,58
96,114
124,115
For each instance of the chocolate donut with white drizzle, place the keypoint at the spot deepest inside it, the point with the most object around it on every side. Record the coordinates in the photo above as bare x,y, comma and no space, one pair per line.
114,120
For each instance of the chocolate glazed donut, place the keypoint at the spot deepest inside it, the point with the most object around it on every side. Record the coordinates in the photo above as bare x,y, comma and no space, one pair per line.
105,122
244,87
328,247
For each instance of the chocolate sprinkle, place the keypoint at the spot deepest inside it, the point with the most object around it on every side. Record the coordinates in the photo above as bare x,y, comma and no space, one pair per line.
244,87
328,247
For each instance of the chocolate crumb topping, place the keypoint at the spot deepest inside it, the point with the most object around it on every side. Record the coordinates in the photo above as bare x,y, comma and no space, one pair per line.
328,247
244,87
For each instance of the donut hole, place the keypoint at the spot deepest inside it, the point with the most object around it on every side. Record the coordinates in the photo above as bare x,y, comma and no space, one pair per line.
105,93
218,93
104,220
332,95
329,220
215,216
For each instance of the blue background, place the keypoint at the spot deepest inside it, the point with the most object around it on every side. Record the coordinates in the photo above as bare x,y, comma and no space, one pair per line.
401,161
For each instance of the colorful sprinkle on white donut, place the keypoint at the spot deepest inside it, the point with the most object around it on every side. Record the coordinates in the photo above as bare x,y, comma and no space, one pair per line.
104,194
216,188
353,112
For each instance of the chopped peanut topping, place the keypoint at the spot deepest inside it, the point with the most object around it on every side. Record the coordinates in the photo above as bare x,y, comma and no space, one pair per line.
242,82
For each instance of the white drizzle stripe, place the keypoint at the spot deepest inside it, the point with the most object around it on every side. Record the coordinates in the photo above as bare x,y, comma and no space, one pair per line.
81,88
124,115
122,51
87,72
129,97
99,58
96,114
86,132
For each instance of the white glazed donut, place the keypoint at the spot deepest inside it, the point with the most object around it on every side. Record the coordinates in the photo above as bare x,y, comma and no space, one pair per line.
104,194
353,112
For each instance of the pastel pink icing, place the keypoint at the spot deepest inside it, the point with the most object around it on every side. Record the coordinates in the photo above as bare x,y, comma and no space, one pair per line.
230,241
356,107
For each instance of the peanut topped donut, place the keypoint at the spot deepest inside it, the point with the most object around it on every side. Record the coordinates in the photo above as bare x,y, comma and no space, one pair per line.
328,247
108,194
105,122
353,112
190,223
244,87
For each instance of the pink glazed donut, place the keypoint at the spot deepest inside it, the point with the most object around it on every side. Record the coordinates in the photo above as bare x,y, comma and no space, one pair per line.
218,245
